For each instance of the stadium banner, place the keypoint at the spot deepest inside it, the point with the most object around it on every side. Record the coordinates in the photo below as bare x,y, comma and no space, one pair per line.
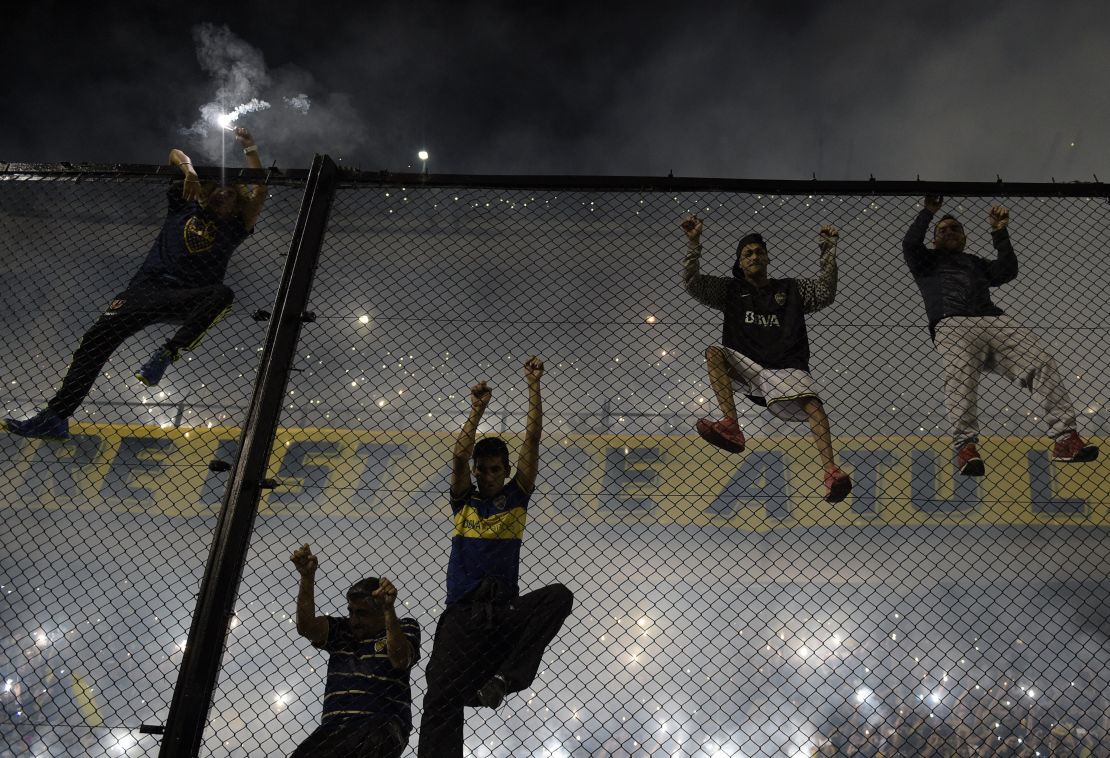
667,480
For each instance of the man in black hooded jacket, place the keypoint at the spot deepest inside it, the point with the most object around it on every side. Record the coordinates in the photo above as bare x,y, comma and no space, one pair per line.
973,335
764,350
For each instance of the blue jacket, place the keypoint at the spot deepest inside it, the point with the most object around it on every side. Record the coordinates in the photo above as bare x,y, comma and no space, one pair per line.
956,284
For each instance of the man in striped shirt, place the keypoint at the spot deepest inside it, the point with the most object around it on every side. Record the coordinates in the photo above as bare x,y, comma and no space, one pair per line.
367,699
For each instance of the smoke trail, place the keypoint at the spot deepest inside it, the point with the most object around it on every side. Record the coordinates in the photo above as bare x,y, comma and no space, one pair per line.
239,72
305,120
238,68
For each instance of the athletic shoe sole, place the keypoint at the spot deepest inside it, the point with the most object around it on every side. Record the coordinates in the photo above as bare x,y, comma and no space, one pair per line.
16,432
708,433
840,490
974,467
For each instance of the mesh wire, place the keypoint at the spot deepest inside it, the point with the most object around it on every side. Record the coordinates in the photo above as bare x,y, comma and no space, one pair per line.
106,535
722,607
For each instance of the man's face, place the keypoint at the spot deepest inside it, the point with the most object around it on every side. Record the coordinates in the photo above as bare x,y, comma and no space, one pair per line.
949,235
222,201
490,472
753,260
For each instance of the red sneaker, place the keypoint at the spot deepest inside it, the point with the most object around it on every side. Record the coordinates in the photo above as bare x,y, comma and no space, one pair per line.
837,485
968,461
725,434
1072,449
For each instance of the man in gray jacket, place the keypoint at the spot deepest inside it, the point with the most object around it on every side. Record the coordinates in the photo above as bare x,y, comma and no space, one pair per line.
973,335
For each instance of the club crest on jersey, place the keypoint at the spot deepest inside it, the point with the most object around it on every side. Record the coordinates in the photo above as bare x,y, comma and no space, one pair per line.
200,235
379,646
499,502
780,298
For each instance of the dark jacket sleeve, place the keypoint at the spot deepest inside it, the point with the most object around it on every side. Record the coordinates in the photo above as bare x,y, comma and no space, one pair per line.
707,290
918,257
1005,268
820,291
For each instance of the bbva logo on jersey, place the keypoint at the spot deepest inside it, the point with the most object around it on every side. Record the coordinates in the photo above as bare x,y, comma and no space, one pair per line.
762,319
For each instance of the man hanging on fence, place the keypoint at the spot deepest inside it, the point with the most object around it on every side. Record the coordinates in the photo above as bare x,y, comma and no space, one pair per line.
764,350
490,639
972,334
180,282
367,698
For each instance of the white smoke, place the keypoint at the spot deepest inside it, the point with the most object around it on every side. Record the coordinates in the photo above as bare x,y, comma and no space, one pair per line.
239,72
299,102
253,106
245,87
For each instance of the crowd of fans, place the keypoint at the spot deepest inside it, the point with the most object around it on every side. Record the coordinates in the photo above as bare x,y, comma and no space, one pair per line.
1001,720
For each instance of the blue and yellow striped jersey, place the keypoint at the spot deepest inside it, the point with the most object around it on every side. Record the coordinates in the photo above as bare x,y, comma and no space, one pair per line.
486,542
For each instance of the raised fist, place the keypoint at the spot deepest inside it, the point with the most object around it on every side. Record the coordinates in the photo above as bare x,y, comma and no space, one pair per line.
480,395
533,368
305,561
692,225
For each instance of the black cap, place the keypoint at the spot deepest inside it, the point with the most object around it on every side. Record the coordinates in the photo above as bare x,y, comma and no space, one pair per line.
748,239
364,587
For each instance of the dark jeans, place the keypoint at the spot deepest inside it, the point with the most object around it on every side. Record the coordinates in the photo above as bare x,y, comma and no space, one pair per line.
475,641
354,738
196,309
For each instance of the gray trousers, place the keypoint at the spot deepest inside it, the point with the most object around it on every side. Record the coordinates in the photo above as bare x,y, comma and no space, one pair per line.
971,345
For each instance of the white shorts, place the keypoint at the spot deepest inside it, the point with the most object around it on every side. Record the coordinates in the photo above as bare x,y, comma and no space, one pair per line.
781,390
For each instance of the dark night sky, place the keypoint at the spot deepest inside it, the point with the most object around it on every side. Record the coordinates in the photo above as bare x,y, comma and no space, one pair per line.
947,90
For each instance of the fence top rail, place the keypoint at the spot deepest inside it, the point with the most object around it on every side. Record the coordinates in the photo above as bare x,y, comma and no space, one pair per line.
352,178
166,172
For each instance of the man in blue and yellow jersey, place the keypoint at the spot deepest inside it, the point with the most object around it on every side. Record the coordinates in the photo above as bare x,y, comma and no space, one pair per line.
367,699
179,282
490,640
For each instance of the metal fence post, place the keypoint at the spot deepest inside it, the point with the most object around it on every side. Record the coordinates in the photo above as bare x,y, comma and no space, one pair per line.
197,677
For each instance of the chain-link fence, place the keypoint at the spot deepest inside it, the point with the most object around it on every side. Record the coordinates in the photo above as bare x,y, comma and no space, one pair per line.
106,533
722,605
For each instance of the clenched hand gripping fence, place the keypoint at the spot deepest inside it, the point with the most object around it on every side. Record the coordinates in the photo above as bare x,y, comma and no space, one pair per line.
721,606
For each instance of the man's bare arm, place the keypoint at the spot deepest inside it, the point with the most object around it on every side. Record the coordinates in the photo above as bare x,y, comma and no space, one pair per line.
259,192
310,626
480,395
527,465
191,189
397,645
